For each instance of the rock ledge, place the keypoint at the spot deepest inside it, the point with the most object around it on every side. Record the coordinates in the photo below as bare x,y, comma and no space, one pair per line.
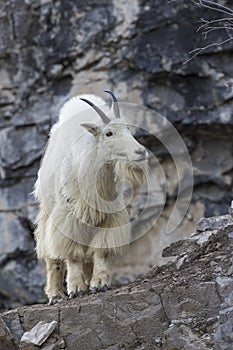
186,304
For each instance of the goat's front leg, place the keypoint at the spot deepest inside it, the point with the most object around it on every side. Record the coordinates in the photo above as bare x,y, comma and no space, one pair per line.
75,277
101,274
55,279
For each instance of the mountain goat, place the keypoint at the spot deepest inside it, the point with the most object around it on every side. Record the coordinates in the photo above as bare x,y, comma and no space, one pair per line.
83,219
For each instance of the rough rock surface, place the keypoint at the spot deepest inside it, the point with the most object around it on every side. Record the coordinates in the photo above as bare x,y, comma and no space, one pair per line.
185,305
51,50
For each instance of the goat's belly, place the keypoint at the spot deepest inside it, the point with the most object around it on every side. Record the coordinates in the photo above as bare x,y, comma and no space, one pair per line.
66,235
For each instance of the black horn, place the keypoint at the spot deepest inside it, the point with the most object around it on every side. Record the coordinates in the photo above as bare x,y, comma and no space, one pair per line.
116,109
102,115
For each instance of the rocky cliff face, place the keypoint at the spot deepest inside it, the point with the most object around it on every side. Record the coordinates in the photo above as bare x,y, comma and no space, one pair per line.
51,50
185,305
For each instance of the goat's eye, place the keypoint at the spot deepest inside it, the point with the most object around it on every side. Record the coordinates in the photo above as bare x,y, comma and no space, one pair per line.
109,134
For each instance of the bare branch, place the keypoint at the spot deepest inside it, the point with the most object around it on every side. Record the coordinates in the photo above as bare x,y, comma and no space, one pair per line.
199,50
207,23
211,29
215,6
208,26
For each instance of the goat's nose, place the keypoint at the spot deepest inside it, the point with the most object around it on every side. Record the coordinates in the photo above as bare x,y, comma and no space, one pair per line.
141,151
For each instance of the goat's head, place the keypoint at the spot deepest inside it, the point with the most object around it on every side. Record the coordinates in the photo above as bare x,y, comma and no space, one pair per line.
114,139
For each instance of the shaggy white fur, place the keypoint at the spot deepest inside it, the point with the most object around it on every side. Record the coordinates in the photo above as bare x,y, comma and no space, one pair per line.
83,219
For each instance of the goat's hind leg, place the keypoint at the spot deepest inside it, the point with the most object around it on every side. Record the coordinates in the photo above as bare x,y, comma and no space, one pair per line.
55,279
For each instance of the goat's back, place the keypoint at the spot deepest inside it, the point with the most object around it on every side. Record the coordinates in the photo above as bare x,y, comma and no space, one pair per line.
63,135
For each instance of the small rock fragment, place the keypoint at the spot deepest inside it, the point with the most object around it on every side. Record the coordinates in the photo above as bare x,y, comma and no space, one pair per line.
213,223
181,261
61,344
39,334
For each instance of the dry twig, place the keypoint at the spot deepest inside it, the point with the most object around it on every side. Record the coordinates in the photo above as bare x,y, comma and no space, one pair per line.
207,26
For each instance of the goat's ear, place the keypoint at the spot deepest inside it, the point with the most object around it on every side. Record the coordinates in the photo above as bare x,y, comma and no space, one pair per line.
92,128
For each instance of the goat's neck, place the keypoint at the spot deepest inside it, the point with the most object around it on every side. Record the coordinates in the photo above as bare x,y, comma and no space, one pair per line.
106,184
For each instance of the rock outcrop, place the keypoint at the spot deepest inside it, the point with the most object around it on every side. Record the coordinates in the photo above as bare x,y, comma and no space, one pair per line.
51,50
185,305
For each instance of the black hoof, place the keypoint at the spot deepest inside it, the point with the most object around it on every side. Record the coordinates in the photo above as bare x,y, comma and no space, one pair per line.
80,293
94,290
71,295
104,288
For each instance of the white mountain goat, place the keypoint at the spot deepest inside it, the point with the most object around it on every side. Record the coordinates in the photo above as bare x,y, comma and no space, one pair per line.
83,219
